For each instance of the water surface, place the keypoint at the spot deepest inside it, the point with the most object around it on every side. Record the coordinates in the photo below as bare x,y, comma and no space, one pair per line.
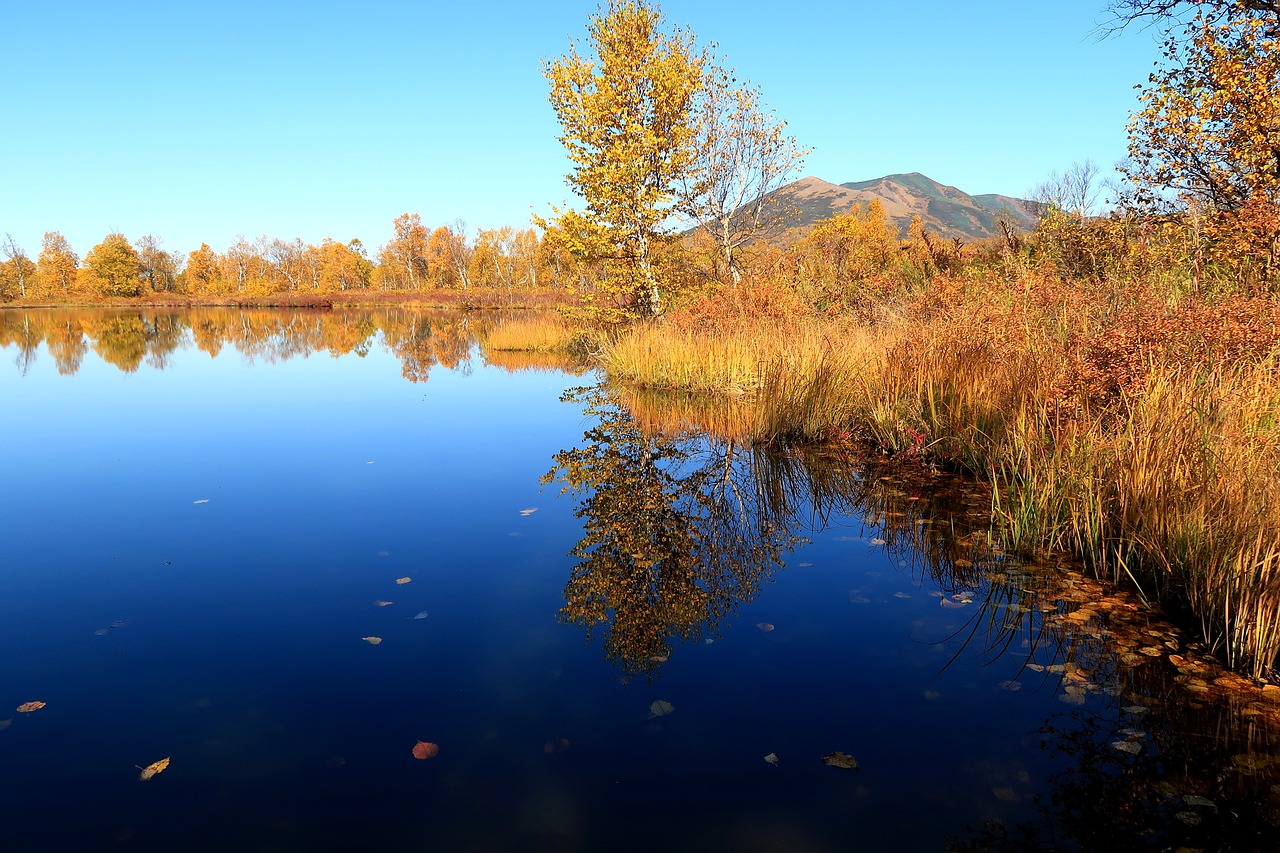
208,514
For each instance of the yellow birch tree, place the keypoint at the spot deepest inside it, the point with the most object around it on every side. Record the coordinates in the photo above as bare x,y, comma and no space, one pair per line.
625,106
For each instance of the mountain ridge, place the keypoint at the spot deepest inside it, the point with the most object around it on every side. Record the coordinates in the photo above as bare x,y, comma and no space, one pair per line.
944,209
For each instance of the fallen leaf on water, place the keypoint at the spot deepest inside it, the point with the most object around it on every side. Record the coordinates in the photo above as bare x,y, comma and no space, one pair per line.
201,501
422,615
765,626
373,641
28,707
804,565
380,603
424,750
902,595
1011,686
772,758
403,581
660,708
839,759
152,769
877,542
530,511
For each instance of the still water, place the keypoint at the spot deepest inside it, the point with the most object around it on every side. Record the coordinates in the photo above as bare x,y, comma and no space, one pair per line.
619,632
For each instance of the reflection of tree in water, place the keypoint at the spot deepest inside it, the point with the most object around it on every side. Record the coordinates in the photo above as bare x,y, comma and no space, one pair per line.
419,339
675,535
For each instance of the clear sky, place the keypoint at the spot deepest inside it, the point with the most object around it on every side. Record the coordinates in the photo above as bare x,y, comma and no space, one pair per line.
205,122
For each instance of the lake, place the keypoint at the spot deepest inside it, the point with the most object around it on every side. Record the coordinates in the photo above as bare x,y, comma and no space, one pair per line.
366,585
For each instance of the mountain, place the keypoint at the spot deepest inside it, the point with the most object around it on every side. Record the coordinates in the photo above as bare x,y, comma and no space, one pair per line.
945,210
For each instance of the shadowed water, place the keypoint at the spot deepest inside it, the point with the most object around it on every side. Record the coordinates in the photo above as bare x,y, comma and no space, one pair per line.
623,630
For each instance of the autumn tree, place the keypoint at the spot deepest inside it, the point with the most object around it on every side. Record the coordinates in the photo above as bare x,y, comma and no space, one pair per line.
625,103
16,271
112,268
1208,137
1075,191
203,273
56,265
742,155
403,260
159,269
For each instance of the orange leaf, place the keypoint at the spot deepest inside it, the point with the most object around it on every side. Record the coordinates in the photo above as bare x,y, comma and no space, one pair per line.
152,769
28,707
425,750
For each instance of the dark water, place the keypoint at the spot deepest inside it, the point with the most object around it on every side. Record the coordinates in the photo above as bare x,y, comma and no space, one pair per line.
201,510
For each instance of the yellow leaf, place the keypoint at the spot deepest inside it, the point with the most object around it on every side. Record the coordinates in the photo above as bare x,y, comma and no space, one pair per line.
28,707
152,769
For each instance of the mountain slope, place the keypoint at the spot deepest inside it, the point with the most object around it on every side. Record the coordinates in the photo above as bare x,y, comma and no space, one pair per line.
945,210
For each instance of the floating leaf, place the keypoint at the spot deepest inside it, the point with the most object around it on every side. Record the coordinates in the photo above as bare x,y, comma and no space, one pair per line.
381,603
660,708
839,759
765,626
424,750
1011,686
28,707
528,512
201,501
772,758
422,615
403,581
373,641
1127,746
877,542
152,769
804,565
902,595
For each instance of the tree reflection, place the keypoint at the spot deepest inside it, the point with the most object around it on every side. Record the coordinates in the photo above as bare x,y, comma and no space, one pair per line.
675,535
128,339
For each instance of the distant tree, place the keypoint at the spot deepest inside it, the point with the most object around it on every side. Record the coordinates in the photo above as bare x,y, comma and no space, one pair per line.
56,266
159,268
203,273
16,271
1075,191
625,103
403,260
112,268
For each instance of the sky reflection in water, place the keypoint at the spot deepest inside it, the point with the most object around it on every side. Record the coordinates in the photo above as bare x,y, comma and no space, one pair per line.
328,476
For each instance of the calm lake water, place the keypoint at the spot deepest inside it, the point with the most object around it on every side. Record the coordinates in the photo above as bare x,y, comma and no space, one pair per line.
209,516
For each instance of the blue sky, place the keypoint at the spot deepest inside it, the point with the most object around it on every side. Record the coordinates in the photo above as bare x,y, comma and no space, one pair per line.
206,122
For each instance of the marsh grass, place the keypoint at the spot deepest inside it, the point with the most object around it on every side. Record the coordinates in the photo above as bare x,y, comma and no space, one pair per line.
1148,446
